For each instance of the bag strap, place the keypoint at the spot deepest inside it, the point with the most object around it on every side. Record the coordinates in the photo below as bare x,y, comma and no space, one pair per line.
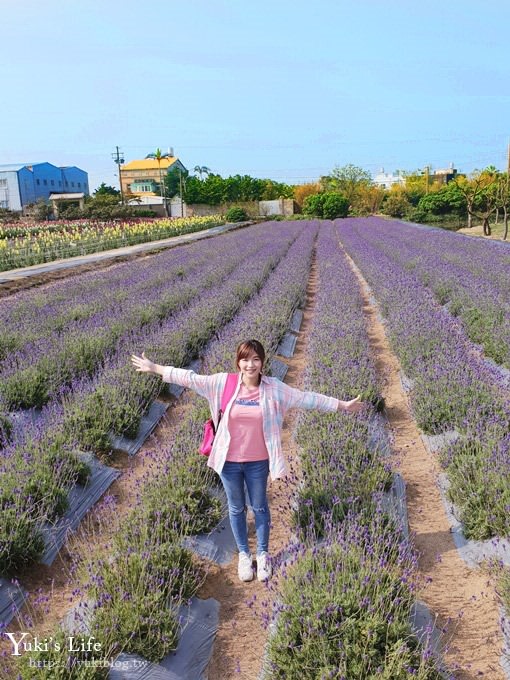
228,390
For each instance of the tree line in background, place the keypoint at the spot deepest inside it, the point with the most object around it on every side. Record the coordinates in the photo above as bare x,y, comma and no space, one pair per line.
484,196
217,190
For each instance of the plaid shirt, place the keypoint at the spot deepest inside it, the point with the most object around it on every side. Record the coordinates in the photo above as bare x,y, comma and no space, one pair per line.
275,399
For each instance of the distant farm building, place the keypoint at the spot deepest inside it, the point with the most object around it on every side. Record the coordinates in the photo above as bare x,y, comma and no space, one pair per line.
145,177
22,184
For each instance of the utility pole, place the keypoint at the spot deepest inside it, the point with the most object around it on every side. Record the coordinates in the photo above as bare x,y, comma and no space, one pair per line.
118,158
182,184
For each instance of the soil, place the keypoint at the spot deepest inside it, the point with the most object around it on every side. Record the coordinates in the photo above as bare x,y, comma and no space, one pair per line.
462,599
478,231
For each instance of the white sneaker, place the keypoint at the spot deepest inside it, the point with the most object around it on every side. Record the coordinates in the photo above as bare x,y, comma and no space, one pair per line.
245,569
264,569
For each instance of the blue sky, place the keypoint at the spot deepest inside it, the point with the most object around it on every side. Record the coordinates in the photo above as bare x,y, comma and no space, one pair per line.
286,90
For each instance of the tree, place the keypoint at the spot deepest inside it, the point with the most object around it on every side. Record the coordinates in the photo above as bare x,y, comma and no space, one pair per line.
480,193
313,204
215,189
106,190
202,170
449,199
42,210
396,204
328,204
415,186
348,179
303,190
503,199
175,182
370,200
335,205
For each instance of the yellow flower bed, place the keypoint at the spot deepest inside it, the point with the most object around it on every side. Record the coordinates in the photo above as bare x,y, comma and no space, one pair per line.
67,239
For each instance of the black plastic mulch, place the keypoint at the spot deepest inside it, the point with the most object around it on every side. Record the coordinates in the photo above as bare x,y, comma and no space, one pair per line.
81,499
287,345
12,597
148,424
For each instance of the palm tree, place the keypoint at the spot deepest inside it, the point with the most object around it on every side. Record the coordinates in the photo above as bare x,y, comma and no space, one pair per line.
158,156
202,170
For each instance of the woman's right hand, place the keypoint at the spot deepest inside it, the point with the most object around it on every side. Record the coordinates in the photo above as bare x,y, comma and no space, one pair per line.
142,364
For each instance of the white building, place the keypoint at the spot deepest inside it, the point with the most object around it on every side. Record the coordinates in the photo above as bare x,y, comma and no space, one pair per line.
385,180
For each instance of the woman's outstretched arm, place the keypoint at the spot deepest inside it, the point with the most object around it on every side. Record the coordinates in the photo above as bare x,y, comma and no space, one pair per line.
144,365
352,406
205,385
294,398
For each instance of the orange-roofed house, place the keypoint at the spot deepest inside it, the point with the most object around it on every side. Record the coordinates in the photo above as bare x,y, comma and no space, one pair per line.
144,177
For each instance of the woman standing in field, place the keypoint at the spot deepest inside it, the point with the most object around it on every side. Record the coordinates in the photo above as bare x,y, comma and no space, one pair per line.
247,446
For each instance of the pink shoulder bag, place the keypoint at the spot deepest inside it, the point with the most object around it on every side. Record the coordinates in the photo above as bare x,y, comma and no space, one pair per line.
209,430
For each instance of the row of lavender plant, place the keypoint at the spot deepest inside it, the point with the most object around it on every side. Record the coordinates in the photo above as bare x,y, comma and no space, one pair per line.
56,307
452,386
138,588
30,376
39,465
343,606
469,276
115,399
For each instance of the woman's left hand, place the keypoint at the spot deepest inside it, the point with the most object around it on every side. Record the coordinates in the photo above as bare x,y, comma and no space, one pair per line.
354,405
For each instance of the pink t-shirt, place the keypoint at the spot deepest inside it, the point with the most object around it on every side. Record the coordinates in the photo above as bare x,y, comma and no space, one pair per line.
245,428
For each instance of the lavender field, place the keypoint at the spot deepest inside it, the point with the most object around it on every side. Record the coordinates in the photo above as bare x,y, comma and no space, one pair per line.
430,286
343,599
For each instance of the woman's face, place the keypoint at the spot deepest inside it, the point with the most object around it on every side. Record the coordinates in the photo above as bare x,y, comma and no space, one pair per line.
251,365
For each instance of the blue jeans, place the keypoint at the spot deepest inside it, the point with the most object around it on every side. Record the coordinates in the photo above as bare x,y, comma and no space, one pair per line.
234,476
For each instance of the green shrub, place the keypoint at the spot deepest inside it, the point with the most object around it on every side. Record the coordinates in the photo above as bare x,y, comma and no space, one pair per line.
313,205
5,428
236,214
21,540
396,205
335,205
330,205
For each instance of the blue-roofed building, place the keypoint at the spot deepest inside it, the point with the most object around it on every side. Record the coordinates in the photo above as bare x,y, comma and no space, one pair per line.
24,183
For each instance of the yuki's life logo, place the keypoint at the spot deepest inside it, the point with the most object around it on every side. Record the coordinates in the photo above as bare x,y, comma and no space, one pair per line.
25,643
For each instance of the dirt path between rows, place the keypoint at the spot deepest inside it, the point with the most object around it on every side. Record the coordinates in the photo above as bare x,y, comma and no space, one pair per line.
461,597
241,638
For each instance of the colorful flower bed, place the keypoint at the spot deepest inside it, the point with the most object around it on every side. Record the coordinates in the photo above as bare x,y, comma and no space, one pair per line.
344,603
452,386
69,239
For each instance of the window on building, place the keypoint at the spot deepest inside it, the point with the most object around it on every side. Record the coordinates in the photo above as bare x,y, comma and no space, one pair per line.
52,182
59,182
79,185
3,182
67,183
45,182
72,184
38,181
